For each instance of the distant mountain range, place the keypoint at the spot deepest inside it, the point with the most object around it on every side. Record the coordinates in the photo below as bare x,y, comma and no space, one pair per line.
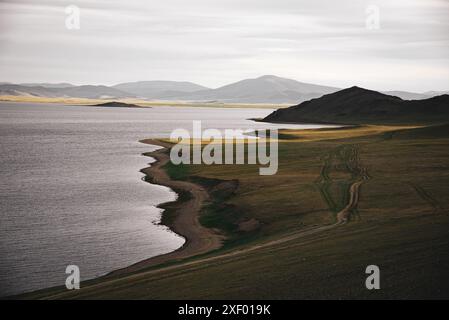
159,89
48,85
86,91
357,105
265,89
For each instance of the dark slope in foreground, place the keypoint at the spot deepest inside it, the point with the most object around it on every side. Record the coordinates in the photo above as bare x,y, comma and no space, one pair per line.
357,105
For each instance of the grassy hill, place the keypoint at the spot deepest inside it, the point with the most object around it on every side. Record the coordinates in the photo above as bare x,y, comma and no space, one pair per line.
360,106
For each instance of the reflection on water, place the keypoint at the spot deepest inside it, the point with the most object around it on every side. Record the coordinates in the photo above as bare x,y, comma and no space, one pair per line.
71,191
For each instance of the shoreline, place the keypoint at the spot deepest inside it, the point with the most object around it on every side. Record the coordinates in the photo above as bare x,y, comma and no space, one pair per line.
321,245
198,239
142,103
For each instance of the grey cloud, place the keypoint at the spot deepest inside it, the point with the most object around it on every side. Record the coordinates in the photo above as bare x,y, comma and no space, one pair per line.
213,42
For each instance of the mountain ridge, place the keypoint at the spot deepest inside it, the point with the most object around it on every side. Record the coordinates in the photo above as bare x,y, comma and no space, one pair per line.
263,89
157,89
84,91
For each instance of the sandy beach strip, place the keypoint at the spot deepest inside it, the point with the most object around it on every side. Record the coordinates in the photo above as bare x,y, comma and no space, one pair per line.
198,239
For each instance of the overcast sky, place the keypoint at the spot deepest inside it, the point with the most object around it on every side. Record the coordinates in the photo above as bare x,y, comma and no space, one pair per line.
215,42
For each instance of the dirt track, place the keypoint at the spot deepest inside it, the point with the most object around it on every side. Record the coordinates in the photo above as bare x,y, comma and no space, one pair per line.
96,290
202,239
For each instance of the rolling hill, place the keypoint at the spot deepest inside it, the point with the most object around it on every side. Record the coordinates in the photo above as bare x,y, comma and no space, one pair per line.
265,89
85,91
405,95
159,89
357,105
48,85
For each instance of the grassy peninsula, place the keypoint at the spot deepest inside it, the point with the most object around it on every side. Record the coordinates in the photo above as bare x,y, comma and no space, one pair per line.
282,236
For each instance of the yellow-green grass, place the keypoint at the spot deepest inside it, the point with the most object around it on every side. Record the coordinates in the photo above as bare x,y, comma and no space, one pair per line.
401,223
140,102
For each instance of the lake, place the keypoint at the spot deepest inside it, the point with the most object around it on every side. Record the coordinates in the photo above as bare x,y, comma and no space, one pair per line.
71,191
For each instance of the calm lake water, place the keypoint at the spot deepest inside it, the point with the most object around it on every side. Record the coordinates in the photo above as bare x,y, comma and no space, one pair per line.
71,191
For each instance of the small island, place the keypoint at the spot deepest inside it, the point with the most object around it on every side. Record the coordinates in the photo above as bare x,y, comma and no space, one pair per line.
115,104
